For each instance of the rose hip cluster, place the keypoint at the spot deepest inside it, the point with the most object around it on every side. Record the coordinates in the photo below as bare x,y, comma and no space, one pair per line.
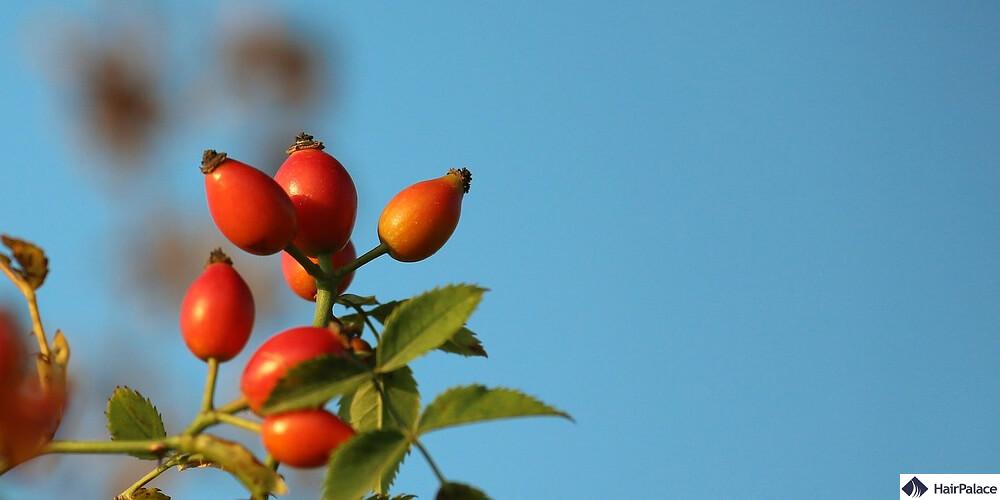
307,210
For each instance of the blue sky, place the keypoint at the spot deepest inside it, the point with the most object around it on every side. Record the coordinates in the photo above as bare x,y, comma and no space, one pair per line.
748,246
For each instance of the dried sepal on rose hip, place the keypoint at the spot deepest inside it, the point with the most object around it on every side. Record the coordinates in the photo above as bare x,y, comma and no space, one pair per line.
344,332
217,314
304,438
418,221
248,206
323,194
361,348
279,354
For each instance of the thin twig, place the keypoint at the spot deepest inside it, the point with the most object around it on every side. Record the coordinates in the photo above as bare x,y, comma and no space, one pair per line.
237,422
413,438
368,321
208,396
352,266
153,474
234,406
31,298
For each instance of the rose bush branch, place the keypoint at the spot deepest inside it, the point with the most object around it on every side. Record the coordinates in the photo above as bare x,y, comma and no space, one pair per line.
380,250
326,290
307,211
28,276
151,475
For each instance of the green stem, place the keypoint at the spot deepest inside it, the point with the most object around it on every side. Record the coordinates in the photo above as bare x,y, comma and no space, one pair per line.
237,422
153,474
205,416
36,322
271,462
368,321
153,446
399,422
324,294
305,262
234,406
369,256
208,397
430,461
201,422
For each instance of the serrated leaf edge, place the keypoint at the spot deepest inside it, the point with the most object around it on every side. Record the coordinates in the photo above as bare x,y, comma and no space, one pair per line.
556,412
107,408
396,312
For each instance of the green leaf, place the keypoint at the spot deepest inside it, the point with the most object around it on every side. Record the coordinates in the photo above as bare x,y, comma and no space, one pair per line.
403,396
357,464
312,383
352,300
390,472
368,411
148,494
383,311
424,323
478,403
233,458
383,496
344,407
459,491
465,343
133,417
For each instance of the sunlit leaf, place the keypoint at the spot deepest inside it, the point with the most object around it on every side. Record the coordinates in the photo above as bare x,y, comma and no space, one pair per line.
133,417
312,383
464,342
402,400
369,411
477,403
423,323
357,464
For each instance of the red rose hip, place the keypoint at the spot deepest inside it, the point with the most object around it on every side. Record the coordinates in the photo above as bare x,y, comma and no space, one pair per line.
280,353
324,196
218,311
248,206
304,438
11,351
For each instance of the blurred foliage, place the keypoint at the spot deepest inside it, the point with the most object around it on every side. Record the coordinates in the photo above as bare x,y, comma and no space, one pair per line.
121,101
127,96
